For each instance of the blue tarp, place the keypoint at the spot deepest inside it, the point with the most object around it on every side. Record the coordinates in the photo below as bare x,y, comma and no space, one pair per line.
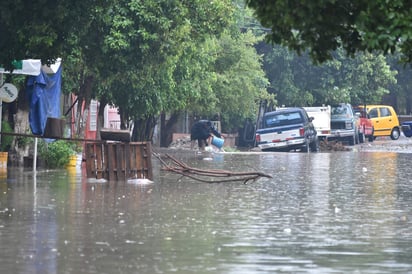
44,96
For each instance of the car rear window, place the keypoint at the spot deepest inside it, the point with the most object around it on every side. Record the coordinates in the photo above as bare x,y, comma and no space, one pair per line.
340,111
281,119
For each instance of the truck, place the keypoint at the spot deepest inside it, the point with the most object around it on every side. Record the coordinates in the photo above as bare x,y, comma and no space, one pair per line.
287,129
366,128
344,124
321,120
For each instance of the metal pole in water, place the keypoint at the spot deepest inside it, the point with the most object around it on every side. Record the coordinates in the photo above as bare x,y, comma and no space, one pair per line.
35,155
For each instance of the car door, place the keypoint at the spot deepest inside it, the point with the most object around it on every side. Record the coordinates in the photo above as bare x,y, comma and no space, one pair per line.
381,118
377,125
385,120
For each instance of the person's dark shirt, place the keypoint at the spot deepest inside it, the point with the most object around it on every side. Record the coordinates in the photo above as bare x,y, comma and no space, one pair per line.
202,129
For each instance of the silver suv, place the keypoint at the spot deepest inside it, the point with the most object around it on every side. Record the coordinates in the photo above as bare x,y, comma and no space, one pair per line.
344,124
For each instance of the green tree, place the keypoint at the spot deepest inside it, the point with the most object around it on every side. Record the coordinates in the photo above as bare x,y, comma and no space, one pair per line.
240,81
369,78
400,96
298,82
33,29
145,57
321,27
144,45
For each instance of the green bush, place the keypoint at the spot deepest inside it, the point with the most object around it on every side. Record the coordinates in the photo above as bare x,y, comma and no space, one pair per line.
56,154
6,140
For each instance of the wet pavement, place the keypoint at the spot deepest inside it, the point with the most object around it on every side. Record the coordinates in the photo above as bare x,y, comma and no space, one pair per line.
402,145
328,212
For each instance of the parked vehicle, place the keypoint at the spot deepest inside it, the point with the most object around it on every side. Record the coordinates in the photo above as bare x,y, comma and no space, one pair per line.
365,129
344,124
407,128
321,120
385,121
287,129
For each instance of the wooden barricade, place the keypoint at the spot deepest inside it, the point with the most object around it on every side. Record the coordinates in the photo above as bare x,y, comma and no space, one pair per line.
119,160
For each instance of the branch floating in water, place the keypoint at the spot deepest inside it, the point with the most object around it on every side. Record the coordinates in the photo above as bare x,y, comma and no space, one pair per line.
204,175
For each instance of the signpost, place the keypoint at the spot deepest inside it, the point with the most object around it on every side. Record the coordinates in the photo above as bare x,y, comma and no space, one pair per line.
8,92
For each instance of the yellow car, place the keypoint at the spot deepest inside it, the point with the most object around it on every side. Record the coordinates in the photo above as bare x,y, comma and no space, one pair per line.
385,121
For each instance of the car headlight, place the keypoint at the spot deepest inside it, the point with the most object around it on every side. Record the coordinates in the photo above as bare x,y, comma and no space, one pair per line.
348,125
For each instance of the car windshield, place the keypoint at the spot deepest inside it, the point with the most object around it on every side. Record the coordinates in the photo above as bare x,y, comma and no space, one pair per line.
280,119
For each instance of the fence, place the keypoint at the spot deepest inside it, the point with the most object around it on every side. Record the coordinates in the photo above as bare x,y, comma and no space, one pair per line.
119,160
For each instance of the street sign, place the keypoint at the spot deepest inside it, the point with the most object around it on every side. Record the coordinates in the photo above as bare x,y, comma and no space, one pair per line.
8,93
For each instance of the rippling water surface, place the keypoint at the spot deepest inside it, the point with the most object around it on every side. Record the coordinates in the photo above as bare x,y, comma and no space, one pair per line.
340,212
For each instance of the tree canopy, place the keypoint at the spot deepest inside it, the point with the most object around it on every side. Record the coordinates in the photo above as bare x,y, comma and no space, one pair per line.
38,29
294,79
323,26
196,56
145,57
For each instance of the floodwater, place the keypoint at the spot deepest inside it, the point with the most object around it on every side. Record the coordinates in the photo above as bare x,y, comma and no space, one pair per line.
338,212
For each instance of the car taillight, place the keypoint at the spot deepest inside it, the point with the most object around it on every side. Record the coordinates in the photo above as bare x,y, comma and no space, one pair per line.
302,131
257,138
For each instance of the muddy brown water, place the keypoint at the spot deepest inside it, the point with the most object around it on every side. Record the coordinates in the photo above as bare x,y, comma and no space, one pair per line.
335,212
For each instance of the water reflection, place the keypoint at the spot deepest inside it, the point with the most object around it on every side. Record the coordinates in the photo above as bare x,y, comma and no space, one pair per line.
322,212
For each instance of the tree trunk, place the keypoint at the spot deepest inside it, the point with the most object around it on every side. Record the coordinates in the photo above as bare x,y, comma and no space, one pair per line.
83,103
100,117
167,128
124,119
143,129
21,145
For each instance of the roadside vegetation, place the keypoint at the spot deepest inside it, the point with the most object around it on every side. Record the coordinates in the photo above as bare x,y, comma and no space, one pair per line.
56,154
155,59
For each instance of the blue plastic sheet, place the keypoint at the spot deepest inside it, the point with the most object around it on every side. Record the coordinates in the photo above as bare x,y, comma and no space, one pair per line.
44,96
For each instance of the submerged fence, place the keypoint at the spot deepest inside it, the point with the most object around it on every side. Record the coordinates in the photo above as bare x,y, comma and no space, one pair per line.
119,160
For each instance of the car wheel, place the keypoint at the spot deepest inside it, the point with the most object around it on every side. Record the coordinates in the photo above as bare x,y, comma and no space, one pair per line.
395,134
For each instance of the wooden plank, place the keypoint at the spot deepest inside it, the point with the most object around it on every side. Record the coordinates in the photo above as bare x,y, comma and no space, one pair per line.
90,161
105,158
120,161
111,161
139,162
132,174
148,157
143,173
128,163
99,161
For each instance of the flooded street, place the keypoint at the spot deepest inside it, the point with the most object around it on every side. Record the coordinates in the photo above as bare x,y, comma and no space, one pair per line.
332,212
